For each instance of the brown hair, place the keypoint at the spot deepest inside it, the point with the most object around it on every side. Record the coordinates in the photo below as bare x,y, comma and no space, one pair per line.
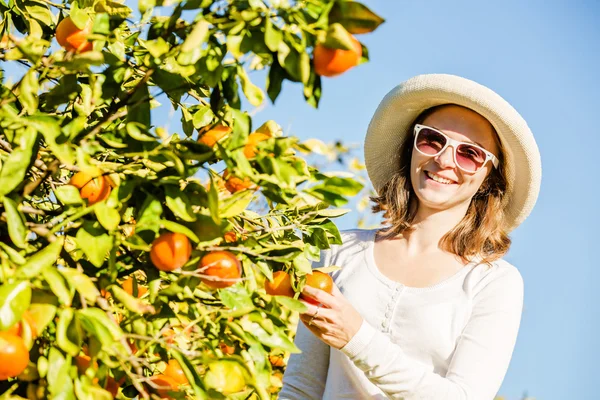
479,233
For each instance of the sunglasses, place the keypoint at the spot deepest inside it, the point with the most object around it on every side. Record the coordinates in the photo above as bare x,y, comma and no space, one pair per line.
467,156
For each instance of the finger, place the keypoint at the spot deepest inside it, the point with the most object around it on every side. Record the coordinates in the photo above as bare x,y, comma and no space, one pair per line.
321,296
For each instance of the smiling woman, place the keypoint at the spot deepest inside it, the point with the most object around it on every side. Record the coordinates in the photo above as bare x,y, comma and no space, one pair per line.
426,307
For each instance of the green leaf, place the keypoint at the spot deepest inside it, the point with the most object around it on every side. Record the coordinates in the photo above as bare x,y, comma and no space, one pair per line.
62,337
112,8
40,12
42,314
234,205
252,92
82,283
191,49
14,300
105,329
42,259
175,227
213,201
237,299
130,302
138,108
14,255
190,373
338,38
68,195
273,36
179,203
276,340
16,223
134,129
58,285
355,17
60,384
291,304
108,217
275,80
94,242
203,117
28,91
50,129
15,166
149,214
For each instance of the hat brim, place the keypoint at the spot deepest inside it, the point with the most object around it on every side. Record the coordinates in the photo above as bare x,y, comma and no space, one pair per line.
402,105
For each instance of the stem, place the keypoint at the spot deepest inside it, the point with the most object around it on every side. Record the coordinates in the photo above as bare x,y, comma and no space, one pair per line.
72,218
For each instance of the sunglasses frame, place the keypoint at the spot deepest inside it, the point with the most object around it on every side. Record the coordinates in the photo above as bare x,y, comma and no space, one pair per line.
455,143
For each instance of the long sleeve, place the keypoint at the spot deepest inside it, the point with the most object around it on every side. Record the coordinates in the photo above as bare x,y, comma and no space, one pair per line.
480,360
306,372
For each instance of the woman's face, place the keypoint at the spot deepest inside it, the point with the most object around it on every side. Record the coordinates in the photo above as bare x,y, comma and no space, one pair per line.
464,125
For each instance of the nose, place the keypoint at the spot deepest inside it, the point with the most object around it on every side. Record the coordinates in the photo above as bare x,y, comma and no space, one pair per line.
446,158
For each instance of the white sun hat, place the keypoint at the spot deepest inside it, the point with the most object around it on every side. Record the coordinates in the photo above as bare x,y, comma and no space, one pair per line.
399,109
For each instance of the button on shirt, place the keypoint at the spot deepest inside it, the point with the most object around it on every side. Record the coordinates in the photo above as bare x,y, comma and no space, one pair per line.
450,341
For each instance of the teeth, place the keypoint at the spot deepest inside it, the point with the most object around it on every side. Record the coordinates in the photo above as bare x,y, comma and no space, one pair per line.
438,178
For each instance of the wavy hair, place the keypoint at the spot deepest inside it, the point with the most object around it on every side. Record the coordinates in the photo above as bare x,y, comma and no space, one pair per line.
479,234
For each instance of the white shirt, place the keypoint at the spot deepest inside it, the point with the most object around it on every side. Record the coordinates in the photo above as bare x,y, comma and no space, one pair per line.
450,341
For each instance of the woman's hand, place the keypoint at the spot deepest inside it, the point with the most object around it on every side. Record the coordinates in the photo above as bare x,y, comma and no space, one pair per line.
335,322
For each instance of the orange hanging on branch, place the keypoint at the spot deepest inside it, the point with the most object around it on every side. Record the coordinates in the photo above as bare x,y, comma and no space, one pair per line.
332,62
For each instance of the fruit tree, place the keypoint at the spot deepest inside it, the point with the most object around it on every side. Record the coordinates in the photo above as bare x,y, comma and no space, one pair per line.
133,260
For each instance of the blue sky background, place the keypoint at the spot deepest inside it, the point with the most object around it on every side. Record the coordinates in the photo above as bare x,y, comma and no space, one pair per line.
543,57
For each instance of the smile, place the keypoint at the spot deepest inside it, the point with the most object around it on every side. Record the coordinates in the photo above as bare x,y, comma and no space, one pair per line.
438,178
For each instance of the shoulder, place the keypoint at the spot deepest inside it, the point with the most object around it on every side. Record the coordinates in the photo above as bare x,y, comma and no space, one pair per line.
353,241
500,279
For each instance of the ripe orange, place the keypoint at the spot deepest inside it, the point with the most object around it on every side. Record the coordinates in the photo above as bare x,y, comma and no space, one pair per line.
253,139
174,371
277,360
230,237
212,136
14,356
226,349
170,251
222,269
332,62
162,384
127,286
235,184
319,280
69,36
83,363
281,285
92,189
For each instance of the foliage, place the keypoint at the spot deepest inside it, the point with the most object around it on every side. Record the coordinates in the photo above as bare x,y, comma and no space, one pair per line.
98,318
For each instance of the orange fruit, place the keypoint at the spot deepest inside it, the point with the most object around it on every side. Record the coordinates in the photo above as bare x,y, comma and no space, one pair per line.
230,237
170,251
235,184
226,349
83,363
127,286
319,280
222,269
162,385
17,329
281,285
253,139
332,62
14,356
92,189
226,377
112,386
175,371
213,135
69,36
277,360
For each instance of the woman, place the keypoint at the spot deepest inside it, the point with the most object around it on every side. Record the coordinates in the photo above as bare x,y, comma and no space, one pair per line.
426,308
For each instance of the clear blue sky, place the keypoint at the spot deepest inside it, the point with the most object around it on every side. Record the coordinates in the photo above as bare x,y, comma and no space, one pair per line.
543,57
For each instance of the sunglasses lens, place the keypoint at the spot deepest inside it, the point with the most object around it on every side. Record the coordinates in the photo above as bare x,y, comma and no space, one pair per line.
469,157
429,141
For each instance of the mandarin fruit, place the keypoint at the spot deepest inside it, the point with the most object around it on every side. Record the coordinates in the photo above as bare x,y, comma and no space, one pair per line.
332,62
234,184
253,139
162,385
221,269
175,371
69,36
319,280
281,285
212,136
14,356
170,251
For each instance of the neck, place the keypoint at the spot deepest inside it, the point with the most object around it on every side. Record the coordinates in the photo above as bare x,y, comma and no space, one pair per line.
428,228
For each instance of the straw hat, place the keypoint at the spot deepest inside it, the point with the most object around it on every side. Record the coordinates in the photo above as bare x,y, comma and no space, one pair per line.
402,105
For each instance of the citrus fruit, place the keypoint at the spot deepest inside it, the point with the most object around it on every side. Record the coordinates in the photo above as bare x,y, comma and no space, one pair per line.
281,285
213,135
69,36
253,139
226,349
222,269
230,237
174,371
226,377
234,184
162,385
127,286
170,251
319,280
14,356
92,189
332,62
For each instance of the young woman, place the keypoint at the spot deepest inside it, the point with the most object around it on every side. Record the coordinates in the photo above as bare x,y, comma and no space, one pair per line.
426,308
